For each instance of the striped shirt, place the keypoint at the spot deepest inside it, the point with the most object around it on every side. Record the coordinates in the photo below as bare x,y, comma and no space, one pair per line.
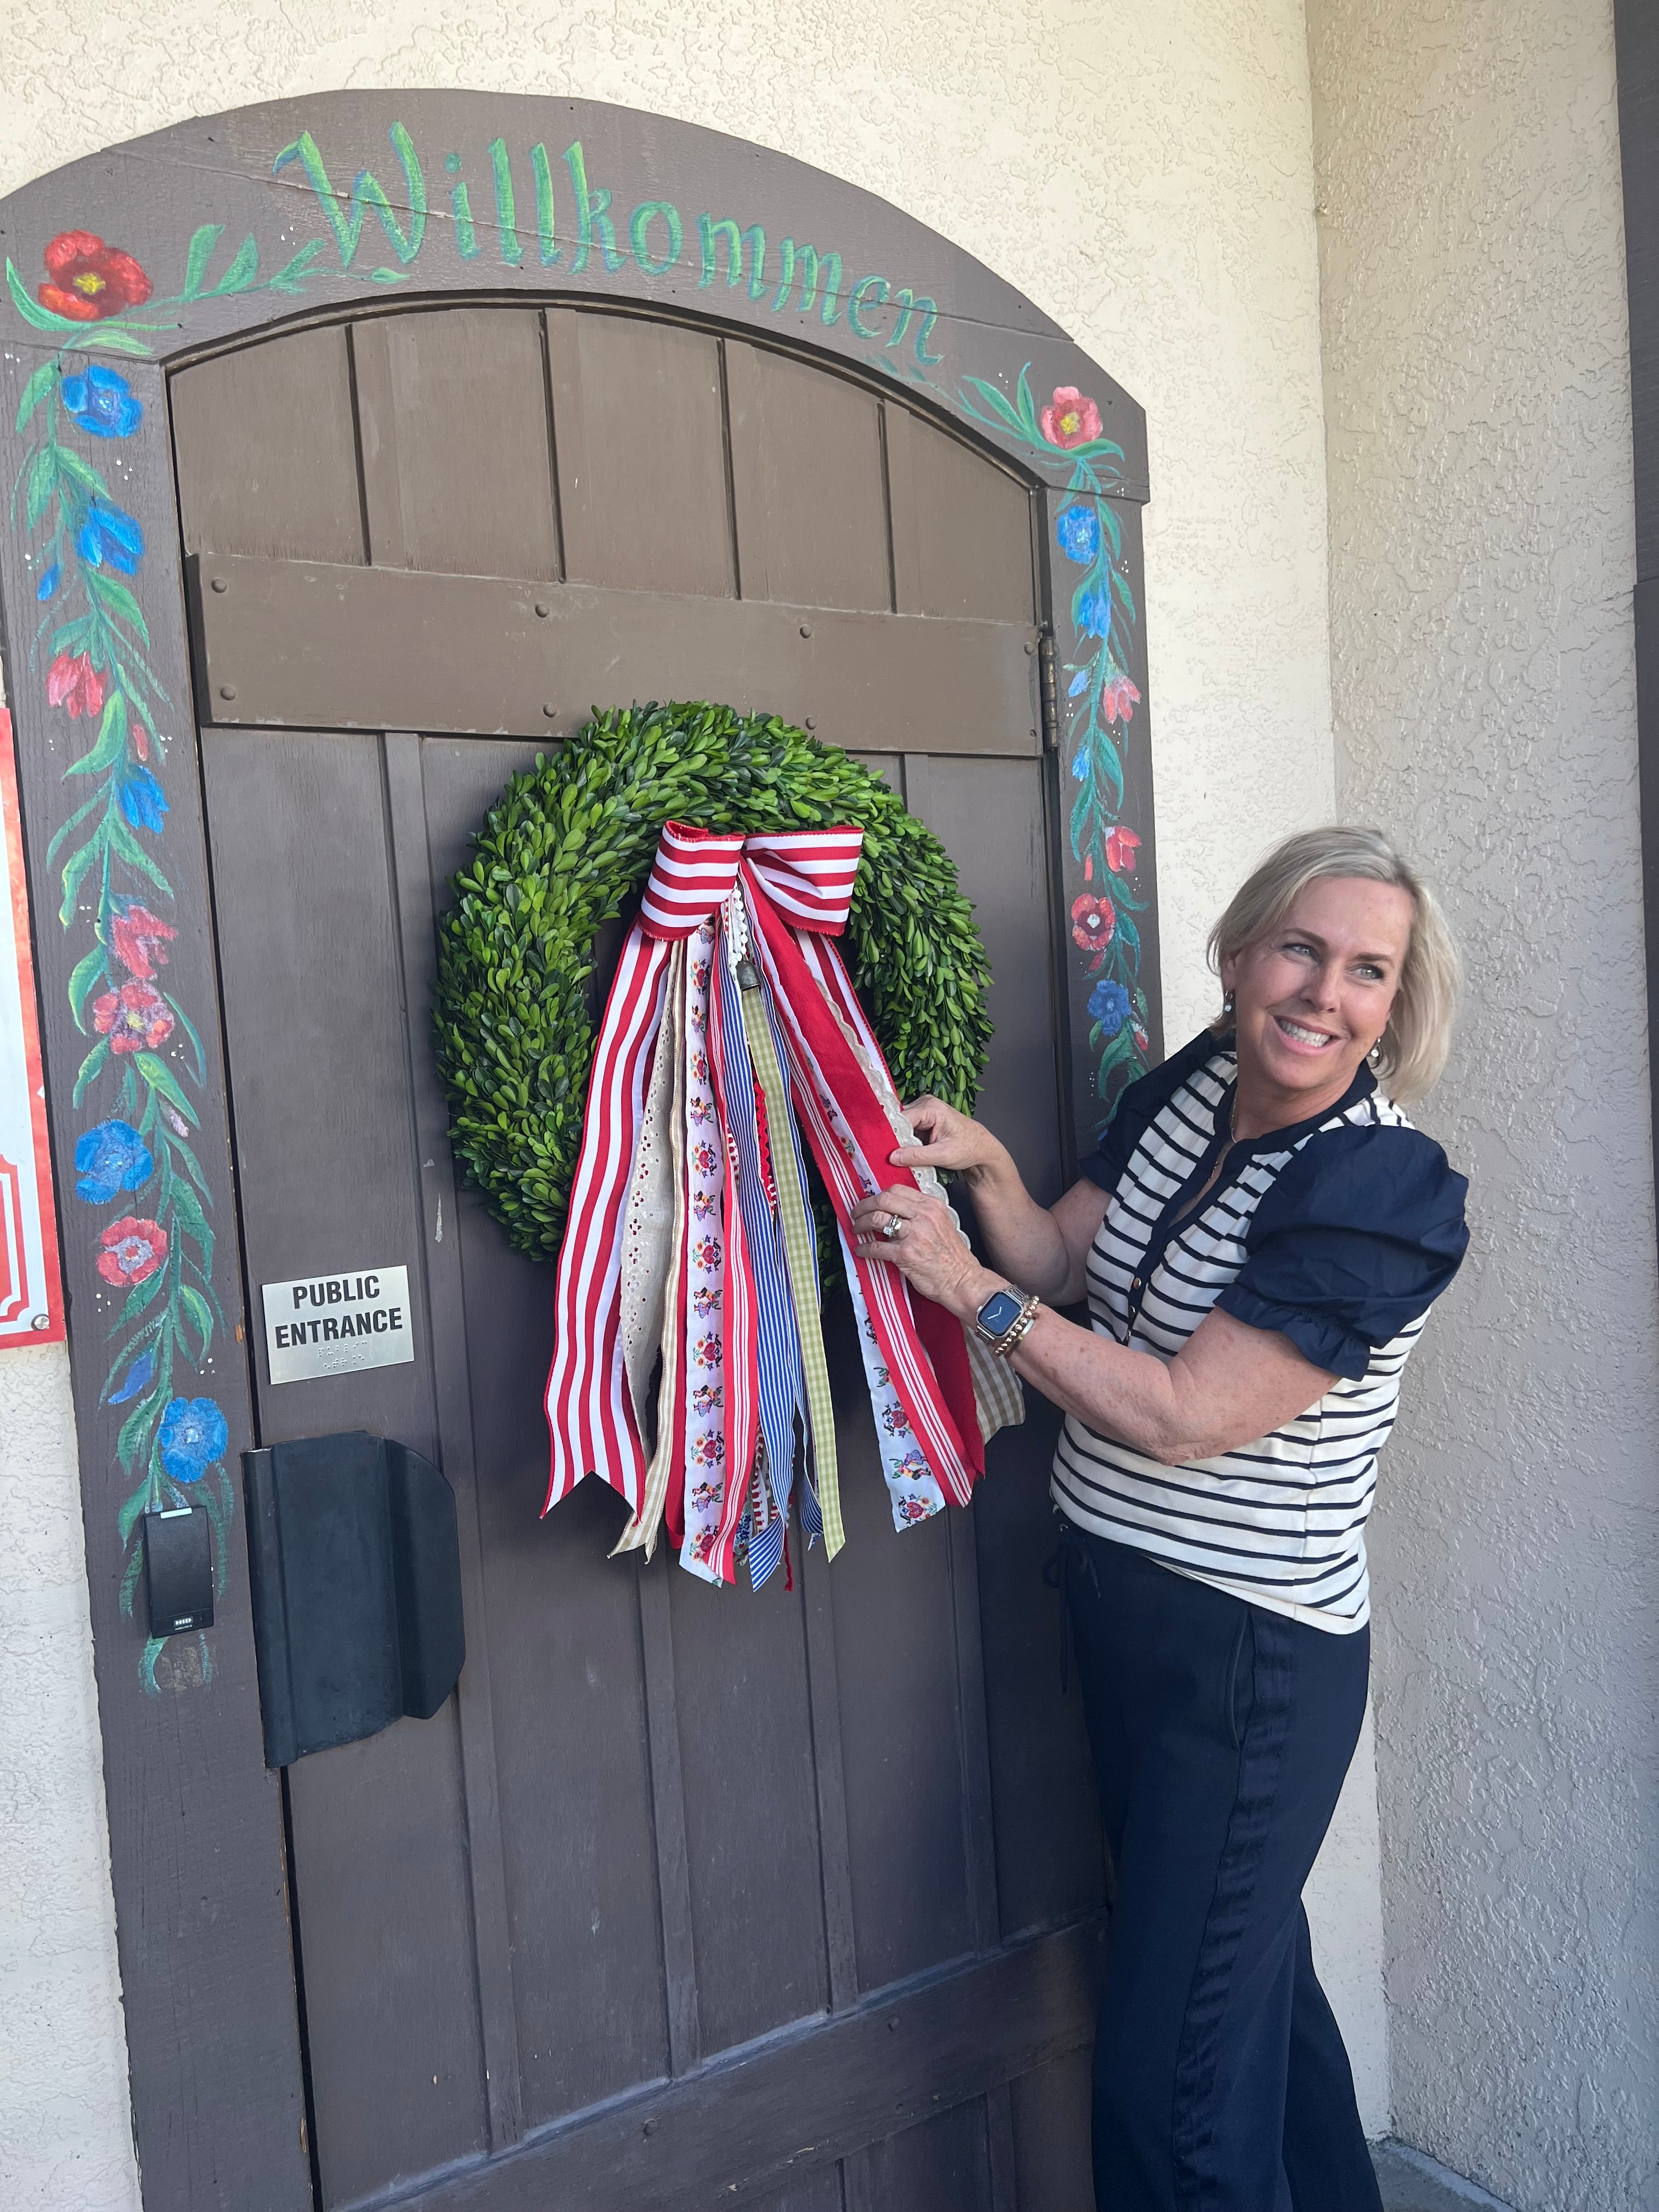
1337,1232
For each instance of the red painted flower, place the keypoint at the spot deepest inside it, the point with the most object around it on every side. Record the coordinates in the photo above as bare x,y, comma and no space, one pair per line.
1118,698
1072,419
1141,1038
1121,846
135,1018
133,1250
74,683
1092,922
88,280
141,940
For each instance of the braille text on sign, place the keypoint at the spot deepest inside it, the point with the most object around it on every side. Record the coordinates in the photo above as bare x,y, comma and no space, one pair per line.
335,1324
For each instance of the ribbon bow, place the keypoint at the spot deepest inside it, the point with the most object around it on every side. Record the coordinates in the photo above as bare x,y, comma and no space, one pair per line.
689,1256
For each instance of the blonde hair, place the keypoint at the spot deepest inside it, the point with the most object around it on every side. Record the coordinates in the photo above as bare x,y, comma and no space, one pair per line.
1412,1049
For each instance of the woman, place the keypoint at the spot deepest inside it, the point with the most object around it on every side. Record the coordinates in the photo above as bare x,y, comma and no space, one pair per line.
1259,1238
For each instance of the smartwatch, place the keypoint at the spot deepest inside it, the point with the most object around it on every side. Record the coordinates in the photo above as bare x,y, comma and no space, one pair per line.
998,1314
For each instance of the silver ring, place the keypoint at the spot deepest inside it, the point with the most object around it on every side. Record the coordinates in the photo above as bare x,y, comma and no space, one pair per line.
893,1228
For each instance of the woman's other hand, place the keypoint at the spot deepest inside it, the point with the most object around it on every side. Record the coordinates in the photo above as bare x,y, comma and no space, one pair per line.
950,1139
916,1234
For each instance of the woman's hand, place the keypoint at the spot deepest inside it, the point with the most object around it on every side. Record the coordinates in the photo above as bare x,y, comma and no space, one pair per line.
926,1246
950,1139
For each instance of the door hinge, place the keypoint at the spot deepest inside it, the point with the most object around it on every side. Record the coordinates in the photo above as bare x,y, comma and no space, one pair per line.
1049,705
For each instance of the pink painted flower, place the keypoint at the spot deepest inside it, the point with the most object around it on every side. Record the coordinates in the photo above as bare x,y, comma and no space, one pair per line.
133,1250
1121,846
1141,1038
139,940
135,1018
1092,922
74,684
1118,698
1072,419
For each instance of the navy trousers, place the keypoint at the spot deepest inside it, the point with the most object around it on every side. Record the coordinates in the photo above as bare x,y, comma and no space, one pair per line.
1221,1733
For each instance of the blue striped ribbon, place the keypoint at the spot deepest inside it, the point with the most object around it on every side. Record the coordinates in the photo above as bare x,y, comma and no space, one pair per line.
778,1351
810,1515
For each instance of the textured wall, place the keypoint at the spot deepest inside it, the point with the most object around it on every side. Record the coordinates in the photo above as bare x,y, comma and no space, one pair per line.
1144,174
1482,562
64,2137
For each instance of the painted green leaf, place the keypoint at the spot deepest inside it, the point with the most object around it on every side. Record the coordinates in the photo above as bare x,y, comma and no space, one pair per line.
202,244
160,1077
113,596
193,1221
35,391
112,745
82,471
127,1519
243,271
75,873
42,483
73,824
41,318
200,1313
111,338
89,971
91,1068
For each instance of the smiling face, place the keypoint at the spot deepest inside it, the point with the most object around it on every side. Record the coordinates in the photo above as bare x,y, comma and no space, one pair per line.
1314,995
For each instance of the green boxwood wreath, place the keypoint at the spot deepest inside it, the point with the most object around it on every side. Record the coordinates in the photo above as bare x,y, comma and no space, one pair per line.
561,851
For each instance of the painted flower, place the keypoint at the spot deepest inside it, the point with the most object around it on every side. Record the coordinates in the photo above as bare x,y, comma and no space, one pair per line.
138,1376
1094,614
1109,1005
110,1158
74,684
1118,696
1121,846
110,534
102,401
1141,1038
135,1018
1092,922
193,1438
1071,420
88,280
133,1250
49,582
142,799
1077,532
140,939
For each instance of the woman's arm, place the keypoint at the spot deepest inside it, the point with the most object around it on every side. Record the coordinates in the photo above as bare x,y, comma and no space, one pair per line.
1043,1249
1229,1384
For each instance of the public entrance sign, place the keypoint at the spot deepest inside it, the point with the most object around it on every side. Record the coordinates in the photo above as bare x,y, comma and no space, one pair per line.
336,1324
31,1287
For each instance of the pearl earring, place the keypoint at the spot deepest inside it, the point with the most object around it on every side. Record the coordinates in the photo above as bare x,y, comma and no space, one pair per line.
1228,1000
1375,1055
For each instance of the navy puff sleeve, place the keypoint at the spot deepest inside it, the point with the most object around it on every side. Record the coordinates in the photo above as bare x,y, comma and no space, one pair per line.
1357,1238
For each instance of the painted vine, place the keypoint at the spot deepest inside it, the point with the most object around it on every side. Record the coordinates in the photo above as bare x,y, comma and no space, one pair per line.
135,1162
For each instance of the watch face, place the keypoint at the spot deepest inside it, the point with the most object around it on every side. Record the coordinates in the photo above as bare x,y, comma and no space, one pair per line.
999,1313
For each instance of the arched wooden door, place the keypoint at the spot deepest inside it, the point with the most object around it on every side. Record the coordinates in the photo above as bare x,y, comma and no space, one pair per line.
687,1897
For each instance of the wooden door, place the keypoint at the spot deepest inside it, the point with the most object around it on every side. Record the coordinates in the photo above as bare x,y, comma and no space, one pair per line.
688,1896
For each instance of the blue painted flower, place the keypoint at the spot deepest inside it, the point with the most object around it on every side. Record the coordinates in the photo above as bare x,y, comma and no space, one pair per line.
1079,683
49,583
110,534
1109,1005
102,403
1094,614
142,799
1077,532
1080,763
193,1438
110,1158
138,1378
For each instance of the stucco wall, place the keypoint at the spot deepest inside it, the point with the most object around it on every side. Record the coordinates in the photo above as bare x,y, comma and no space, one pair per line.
1482,562
1144,174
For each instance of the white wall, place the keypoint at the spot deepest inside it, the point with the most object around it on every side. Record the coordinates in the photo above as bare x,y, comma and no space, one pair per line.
1145,173
1477,396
